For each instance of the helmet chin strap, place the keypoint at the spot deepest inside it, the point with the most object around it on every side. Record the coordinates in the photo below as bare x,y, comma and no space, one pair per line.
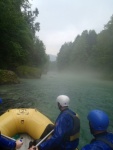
60,107
92,130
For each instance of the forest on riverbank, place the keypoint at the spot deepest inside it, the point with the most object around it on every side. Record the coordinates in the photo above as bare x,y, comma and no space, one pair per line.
89,52
19,44
21,50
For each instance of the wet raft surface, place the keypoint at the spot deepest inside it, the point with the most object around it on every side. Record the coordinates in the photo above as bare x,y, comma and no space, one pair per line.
26,139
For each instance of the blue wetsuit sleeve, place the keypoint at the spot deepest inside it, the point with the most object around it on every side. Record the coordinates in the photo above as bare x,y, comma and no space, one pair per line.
7,143
61,127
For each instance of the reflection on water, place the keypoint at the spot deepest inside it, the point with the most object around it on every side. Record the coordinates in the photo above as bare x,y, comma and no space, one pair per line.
85,94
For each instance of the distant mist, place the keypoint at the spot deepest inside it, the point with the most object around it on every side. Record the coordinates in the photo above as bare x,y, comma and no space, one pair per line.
52,57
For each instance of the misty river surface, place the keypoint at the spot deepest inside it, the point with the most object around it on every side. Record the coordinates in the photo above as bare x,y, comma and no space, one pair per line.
85,94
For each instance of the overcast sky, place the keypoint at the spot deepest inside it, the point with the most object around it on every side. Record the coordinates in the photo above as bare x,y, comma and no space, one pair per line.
62,20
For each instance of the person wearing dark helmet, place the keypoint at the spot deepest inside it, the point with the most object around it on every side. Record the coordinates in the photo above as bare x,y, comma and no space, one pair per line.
98,123
66,131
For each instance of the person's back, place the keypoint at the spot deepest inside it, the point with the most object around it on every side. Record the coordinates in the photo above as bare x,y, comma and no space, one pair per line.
99,144
98,123
69,126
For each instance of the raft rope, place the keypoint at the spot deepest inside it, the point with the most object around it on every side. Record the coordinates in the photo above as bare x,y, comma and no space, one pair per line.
44,138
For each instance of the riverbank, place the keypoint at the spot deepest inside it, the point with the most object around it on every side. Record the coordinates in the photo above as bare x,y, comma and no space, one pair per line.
11,77
8,77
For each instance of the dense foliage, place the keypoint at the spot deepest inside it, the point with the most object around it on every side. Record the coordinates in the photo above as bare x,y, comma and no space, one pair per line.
89,51
18,42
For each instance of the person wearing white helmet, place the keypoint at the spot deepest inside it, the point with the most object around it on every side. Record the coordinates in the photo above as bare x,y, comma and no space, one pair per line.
63,101
66,131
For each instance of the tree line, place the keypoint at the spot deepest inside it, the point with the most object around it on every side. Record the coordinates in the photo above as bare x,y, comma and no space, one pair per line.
89,51
19,44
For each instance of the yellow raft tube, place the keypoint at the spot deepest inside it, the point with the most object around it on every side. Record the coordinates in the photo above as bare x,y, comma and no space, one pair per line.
23,120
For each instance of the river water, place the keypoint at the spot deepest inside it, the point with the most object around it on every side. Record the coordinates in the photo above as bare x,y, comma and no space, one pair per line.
86,93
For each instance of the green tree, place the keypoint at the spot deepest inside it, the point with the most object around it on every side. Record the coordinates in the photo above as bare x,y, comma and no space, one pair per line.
39,57
18,42
63,56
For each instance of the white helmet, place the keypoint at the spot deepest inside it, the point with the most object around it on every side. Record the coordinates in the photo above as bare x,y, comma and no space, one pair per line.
63,100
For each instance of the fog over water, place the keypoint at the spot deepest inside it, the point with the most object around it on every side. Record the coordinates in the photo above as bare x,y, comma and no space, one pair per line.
86,93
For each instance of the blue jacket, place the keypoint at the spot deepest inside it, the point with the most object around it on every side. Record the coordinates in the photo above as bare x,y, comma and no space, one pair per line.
6,144
100,145
63,127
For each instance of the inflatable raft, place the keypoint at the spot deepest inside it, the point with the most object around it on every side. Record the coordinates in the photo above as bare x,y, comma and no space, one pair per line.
30,123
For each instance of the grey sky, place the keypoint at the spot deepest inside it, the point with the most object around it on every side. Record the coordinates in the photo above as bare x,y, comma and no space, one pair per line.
62,20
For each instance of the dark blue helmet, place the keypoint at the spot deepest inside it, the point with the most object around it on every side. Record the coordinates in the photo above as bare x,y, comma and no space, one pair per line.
98,120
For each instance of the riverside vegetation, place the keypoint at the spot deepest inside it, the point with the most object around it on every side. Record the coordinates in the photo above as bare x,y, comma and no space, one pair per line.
9,77
22,51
